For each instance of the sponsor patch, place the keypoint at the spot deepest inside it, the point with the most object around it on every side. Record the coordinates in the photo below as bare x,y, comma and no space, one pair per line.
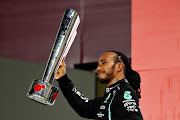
102,107
130,105
100,114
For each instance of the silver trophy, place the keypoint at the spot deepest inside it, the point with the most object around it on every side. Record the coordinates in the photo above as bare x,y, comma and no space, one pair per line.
44,91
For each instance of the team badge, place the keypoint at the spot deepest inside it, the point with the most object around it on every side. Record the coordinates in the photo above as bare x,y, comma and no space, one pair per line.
127,95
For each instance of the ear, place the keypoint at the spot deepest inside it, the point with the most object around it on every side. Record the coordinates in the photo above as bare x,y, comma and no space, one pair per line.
120,66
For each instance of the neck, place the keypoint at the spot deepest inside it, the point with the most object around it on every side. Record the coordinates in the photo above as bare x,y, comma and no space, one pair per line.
116,79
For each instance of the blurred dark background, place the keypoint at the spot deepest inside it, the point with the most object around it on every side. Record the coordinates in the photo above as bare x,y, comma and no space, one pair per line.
27,33
28,29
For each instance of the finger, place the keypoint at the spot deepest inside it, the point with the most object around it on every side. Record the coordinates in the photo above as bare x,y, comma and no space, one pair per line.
63,64
57,76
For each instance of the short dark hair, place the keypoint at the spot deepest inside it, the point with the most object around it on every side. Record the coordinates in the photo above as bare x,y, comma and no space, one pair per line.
132,76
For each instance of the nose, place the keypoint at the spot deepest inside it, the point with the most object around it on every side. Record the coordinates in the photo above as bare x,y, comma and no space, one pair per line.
98,68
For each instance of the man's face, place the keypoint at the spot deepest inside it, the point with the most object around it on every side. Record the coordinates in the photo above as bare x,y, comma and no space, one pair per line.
105,67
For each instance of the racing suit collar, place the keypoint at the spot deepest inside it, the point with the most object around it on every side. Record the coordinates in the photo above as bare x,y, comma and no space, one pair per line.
115,85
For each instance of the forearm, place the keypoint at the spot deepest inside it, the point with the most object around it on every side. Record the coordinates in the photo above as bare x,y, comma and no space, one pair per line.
82,105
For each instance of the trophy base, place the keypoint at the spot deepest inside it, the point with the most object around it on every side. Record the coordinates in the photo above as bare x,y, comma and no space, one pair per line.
43,92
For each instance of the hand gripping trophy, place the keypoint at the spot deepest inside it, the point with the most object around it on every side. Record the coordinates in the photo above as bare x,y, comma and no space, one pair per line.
44,91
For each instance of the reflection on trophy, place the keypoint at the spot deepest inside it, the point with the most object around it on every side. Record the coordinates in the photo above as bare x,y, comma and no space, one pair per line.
43,90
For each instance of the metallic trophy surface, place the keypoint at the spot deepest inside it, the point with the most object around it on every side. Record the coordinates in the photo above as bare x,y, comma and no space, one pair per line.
43,90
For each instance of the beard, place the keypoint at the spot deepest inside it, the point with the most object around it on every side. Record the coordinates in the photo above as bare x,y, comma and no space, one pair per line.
107,78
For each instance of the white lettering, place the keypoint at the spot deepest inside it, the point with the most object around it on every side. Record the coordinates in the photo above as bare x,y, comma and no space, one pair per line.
80,94
102,107
130,105
100,115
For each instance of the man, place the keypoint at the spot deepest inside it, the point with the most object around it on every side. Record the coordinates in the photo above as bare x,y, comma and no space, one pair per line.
120,101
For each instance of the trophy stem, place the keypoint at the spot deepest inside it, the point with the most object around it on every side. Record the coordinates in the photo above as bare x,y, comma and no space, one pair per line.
59,53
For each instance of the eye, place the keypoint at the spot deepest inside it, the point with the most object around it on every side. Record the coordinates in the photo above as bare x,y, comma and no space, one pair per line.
104,63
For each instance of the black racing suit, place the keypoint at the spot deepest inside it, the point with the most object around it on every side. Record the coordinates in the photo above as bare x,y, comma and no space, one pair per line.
120,102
